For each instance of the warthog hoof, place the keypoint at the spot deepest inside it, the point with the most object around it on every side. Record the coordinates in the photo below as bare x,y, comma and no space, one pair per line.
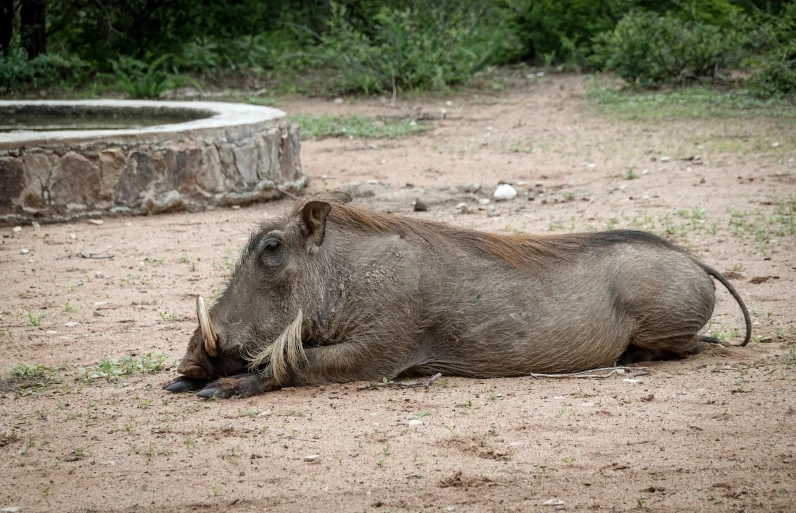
183,384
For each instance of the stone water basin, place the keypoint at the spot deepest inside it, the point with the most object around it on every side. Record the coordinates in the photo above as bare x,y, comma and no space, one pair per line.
60,160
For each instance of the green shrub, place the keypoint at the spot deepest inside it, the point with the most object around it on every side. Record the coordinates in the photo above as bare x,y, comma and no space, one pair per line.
141,80
19,72
649,49
429,46
776,68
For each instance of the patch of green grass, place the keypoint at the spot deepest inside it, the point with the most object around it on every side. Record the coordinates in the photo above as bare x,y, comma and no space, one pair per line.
124,366
355,126
35,320
37,370
686,103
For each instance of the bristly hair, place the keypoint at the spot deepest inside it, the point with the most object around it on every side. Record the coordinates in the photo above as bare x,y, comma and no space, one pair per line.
286,353
520,251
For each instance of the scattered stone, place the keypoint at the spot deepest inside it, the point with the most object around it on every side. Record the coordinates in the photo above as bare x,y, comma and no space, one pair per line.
235,207
72,236
11,509
338,100
591,166
98,222
98,275
265,413
52,332
775,144
631,380
71,324
448,103
24,251
312,458
450,508
97,313
504,192
17,229
463,208
644,172
415,422
483,201
665,159
553,502
471,187
419,206
648,398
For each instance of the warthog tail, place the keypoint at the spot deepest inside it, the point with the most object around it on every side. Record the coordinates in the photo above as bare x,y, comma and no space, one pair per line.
737,297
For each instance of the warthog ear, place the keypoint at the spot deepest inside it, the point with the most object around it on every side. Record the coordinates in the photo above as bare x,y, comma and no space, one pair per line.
334,197
313,223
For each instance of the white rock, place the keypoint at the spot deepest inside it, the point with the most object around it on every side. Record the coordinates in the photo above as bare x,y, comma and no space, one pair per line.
17,229
312,458
450,508
24,251
415,422
775,144
52,332
11,509
71,324
98,275
448,103
72,236
504,192
483,201
128,224
645,172
338,100
665,159
36,227
553,502
540,74
96,221
630,380
99,303
622,187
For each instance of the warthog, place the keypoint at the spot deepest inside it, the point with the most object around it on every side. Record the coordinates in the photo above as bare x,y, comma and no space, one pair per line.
333,293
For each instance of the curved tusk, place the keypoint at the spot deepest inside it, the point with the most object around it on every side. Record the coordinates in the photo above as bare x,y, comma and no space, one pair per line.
208,333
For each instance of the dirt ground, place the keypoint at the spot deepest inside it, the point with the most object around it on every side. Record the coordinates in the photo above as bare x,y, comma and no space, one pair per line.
715,432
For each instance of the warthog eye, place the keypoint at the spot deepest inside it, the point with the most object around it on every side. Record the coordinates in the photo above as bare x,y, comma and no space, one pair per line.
272,256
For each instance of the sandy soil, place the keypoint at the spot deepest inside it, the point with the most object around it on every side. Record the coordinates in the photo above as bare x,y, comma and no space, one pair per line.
716,432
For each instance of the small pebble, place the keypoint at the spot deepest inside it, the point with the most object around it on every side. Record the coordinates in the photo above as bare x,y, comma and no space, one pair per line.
11,509
71,324
17,229
72,236
338,100
665,159
419,206
504,192
98,222
775,144
24,251
553,502
415,422
591,166
312,458
36,227
483,201
52,332
98,275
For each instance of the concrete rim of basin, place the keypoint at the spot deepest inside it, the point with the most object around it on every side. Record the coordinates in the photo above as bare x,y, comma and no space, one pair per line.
214,115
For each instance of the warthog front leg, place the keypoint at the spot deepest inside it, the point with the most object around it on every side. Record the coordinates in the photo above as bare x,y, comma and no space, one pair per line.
339,363
185,384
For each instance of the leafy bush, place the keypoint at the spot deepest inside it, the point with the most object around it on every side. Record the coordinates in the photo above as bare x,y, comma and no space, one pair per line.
140,80
776,73
427,46
648,49
18,72
266,50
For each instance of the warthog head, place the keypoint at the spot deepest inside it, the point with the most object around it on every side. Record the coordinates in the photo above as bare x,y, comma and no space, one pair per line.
257,320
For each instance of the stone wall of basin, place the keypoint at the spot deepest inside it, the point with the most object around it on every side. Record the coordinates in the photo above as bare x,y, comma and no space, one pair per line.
239,154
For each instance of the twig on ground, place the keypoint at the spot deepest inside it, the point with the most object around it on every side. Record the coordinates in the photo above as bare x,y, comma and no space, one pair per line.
91,256
589,374
406,384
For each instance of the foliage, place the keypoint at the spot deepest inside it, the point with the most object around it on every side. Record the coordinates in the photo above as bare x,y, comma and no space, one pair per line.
649,49
140,80
126,365
776,37
17,71
426,46
354,126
